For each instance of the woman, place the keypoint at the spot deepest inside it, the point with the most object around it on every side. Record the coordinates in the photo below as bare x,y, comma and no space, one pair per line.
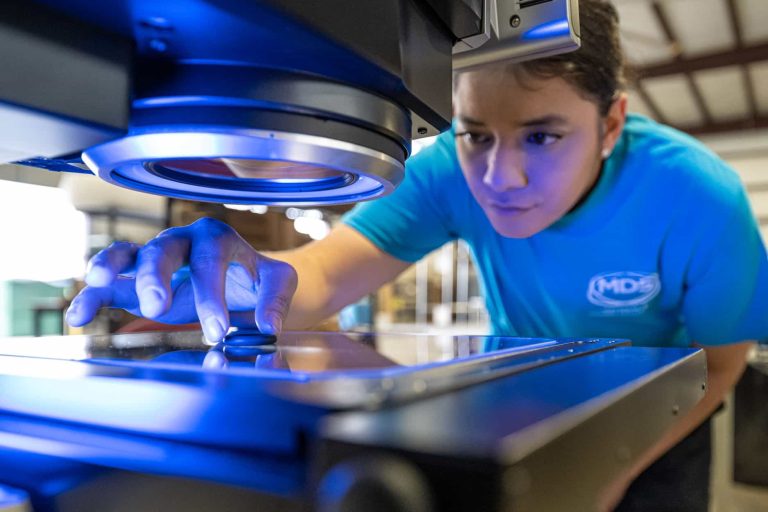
583,221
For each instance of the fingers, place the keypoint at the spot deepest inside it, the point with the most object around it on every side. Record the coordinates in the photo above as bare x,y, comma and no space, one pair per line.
277,283
108,263
84,306
155,264
83,309
214,245
224,273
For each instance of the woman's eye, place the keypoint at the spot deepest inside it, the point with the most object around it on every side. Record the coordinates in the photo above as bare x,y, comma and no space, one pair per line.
542,138
474,137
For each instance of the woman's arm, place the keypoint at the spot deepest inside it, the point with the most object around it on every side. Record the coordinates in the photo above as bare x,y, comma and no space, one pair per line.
334,272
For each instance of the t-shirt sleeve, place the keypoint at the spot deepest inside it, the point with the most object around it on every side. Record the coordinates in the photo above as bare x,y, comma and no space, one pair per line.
726,297
415,219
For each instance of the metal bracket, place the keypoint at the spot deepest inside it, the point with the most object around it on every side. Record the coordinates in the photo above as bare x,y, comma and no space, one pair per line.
519,30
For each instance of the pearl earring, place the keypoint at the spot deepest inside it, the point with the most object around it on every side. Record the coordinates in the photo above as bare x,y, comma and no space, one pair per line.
606,153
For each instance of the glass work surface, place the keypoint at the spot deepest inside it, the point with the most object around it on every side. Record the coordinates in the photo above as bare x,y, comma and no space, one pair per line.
177,386
293,353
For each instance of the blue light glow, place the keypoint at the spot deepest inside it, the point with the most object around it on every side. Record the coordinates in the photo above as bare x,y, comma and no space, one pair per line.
208,101
174,408
87,449
549,30
130,161
11,498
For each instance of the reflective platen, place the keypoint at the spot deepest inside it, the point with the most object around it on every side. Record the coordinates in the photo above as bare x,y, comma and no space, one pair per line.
329,369
300,351
378,361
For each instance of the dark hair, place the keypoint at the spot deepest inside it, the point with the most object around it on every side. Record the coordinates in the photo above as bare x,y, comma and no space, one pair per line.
597,68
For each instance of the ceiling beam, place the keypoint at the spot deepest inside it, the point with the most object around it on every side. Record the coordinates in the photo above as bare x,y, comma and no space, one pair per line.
756,187
749,123
661,17
738,34
698,99
672,39
736,57
749,87
733,20
742,55
649,103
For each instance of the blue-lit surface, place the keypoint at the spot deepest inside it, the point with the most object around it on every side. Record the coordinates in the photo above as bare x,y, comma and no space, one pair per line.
297,355
150,403
549,30
40,441
118,382
74,165
10,497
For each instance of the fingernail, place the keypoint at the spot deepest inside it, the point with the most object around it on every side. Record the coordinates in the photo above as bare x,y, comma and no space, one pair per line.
151,302
276,322
72,312
214,331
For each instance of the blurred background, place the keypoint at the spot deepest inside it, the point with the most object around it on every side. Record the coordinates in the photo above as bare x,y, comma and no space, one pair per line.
698,65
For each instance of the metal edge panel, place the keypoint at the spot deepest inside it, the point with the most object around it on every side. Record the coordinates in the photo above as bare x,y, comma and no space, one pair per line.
591,416
583,459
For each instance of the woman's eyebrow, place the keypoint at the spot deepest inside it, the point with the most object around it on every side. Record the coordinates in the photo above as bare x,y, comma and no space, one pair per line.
549,119
469,120
544,120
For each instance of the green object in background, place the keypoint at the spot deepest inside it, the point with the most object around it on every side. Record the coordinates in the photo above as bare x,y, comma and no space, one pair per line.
19,301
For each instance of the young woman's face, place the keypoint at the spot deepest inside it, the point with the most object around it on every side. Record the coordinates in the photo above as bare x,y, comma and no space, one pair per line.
529,151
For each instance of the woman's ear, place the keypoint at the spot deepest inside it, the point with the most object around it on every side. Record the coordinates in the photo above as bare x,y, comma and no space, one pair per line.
613,124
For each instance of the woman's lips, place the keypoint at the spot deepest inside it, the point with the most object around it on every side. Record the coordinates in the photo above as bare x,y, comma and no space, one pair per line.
510,208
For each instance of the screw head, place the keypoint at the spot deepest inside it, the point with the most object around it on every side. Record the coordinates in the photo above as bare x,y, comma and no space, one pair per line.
158,45
623,454
517,480
156,23
421,130
515,21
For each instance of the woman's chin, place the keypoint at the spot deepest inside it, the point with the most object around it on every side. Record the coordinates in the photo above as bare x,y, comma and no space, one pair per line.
518,227
511,230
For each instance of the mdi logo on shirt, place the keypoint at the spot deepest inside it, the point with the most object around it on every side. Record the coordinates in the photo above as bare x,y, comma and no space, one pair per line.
623,289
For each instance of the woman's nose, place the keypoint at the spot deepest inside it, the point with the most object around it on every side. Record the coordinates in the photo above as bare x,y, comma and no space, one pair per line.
505,170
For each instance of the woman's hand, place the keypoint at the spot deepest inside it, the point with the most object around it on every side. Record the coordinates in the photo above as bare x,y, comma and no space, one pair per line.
201,271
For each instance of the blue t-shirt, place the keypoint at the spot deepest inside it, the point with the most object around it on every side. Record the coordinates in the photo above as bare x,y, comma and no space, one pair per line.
664,251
